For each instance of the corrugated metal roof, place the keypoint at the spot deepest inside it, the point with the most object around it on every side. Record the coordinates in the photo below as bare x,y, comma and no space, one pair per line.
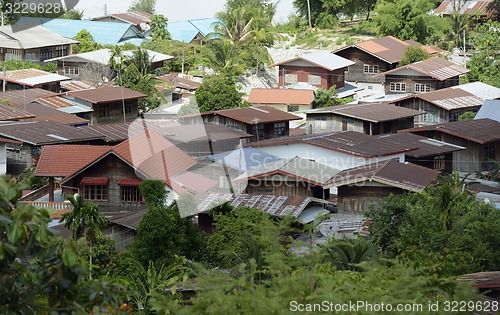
280,96
179,82
104,33
44,113
21,97
129,219
9,112
32,77
194,182
388,48
76,85
483,7
490,109
186,30
46,132
297,168
323,59
478,130
373,112
33,37
349,142
402,175
243,159
255,114
204,25
134,17
480,89
426,146
102,56
435,67
202,132
106,94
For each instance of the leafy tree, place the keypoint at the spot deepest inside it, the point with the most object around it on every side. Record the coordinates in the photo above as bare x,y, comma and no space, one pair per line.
226,58
86,42
484,65
348,254
408,19
467,116
148,6
159,28
325,98
142,60
84,220
73,14
27,177
20,65
189,108
218,92
413,54
144,83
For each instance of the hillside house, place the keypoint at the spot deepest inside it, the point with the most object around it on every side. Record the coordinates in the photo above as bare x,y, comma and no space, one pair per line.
480,137
35,44
320,69
263,122
368,118
288,100
448,104
365,186
423,76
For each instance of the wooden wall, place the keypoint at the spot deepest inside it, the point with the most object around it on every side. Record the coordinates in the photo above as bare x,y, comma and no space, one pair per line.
356,71
328,78
357,199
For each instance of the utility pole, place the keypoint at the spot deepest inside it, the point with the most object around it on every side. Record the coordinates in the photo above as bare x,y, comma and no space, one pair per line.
465,57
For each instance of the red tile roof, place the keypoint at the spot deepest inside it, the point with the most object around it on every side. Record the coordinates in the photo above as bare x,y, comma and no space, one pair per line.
98,181
435,67
134,182
106,94
66,159
281,96
255,114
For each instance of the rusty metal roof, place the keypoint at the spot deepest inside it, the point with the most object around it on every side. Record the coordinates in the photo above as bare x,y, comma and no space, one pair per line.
481,131
21,97
435,67
449,98
179,82
255,114
388,48
349,142
46,132
106,94
134,17
373,112
483,7
278,206
483,280
281,96
32,77
45,113
406,176
76,85
426,146
9,112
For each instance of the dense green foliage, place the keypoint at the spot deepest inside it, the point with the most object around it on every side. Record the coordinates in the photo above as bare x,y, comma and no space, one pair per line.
467,116
72,14
413,54
20,65
325,98
484,65
148,6
218,92
158,26
86,42
27,178
444,229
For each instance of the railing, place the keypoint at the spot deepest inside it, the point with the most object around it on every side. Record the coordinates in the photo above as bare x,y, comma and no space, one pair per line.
36,194
60,207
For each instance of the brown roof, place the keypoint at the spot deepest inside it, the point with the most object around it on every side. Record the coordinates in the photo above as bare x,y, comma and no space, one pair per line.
402,175
426,146
179,82
481,131
66,159
483,7
483,280
435,67
9,112
449,98
255,114
45,113
77,85
281,96
32,77
129,219
21,97
389,48
203,132
55,101
134,17
45,132
373,112
106,94
349,142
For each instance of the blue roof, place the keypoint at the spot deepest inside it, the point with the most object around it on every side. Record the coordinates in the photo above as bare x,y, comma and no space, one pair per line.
185,31
490,109
244,159
104,33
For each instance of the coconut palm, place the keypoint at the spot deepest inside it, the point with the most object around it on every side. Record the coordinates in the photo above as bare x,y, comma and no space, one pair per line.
346,254
117,58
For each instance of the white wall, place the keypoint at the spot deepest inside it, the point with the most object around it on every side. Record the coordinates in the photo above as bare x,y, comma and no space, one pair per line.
327,157
3,159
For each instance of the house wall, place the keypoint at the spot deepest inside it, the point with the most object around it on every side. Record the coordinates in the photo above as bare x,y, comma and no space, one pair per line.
122,236
434,162
338,160
266,131
113,168
114,113
328,78
287,107
411,78
35,55
330,122
90,71
281,185
3,159
358,198
356,72
20,156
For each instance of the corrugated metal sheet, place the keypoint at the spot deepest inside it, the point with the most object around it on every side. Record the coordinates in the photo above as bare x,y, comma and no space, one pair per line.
280,96
76,85
98,181
32,37
8,112
106,94
194,182
45,113
243,159
32,77
426,146
134,17
480,89
450,98
490,109
21,97
323,59
253,114
435,67
483,7
373,112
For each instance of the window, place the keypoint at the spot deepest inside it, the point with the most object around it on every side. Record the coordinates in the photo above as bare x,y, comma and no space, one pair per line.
431,116
128,108
489,152
398,87
71,70
60,51
95,192
130,194
291,78
235,127
31,56
314,79
263,191
320,122
370,69
45,53
439,163
103,111
279,129
419,88
293,108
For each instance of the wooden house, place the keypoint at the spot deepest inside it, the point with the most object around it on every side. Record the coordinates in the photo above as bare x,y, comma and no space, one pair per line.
375,56
368,118
32,43
32,78
365,186
448,104
263,122
423,76
484,9
288,100
320,69
480,137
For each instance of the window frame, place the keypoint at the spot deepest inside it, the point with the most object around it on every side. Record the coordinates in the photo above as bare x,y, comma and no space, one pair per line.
370,69
399,87
95,192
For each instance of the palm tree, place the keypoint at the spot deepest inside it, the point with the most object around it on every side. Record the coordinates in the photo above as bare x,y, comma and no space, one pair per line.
235,25
346,254
117,58
142,61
